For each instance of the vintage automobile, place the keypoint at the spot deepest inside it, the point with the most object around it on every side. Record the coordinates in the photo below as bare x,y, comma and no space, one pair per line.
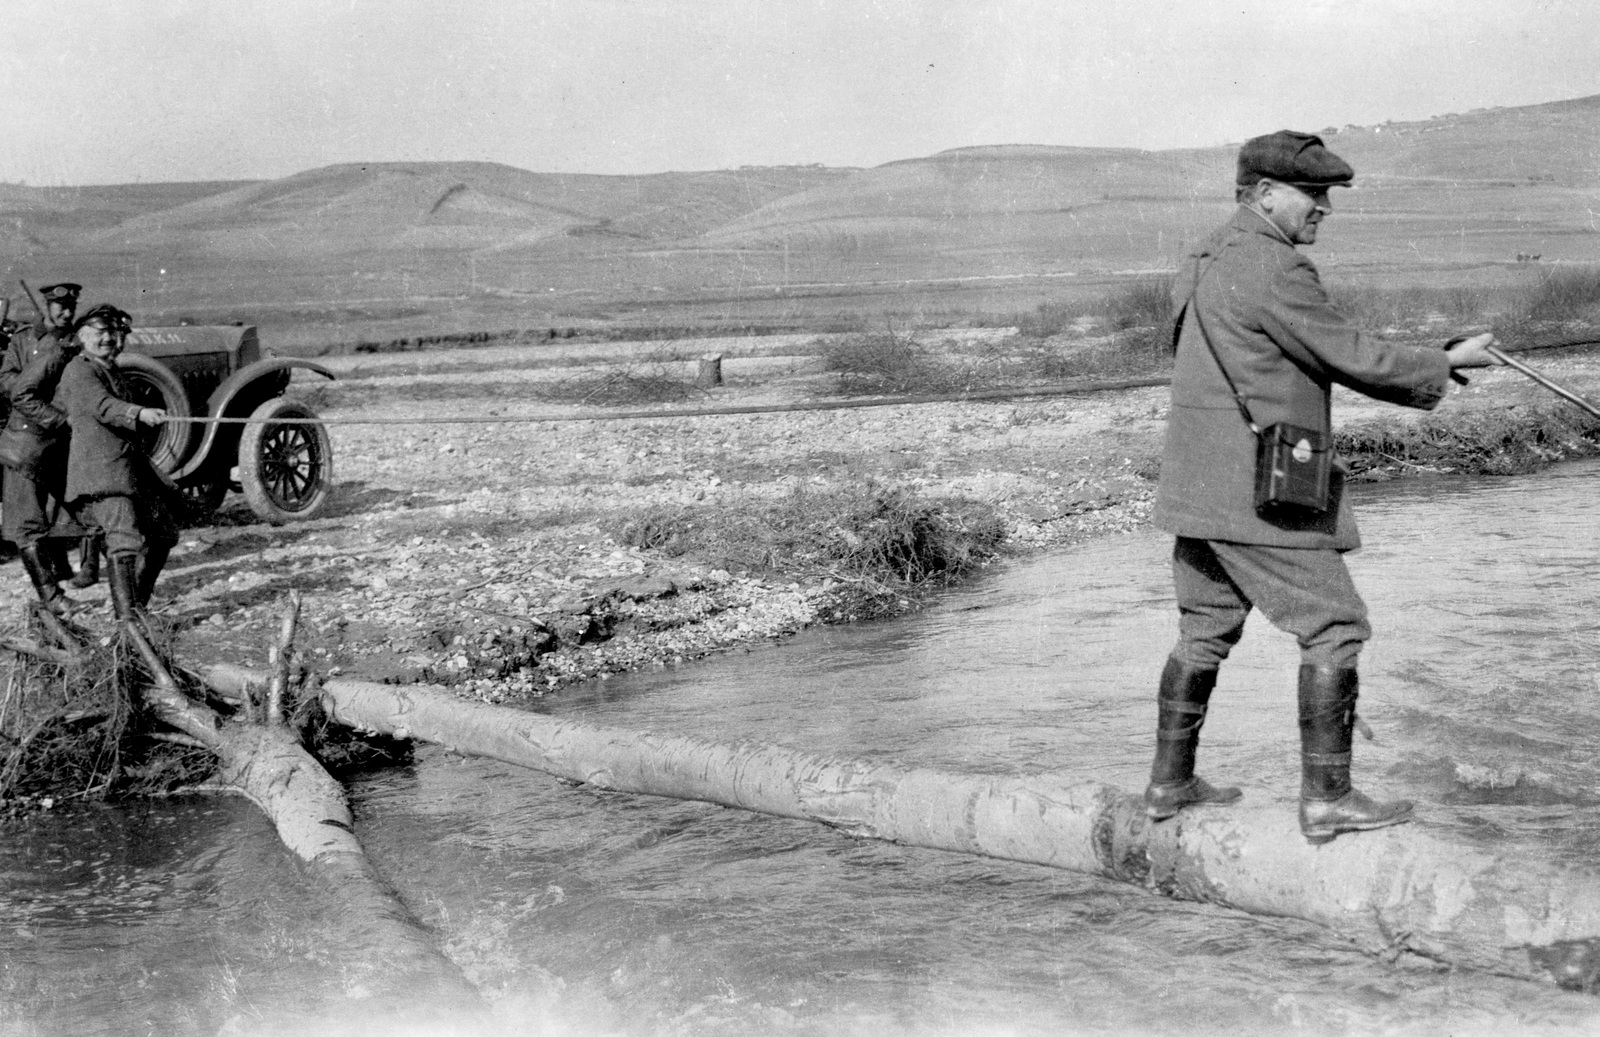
284,470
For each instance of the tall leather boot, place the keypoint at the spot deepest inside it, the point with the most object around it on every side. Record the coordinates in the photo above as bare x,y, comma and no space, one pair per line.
120,575
151,562
1328,803
44,584
1180,710
54,554
88,562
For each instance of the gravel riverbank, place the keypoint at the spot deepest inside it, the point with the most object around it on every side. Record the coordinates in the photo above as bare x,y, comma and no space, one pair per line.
486,556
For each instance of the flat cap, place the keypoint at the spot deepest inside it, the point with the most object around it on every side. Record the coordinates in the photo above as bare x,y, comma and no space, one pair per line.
65,293
106,316
1292,158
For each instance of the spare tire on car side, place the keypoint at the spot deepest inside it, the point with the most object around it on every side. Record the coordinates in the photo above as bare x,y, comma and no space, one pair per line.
153,385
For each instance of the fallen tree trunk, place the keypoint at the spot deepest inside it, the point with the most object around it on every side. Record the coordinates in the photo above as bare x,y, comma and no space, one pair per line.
267,764
1392,891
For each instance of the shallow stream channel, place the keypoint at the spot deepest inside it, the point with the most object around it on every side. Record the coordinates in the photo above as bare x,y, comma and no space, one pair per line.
585,912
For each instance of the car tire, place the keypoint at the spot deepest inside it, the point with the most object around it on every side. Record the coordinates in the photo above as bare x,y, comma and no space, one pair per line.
285,470
167,445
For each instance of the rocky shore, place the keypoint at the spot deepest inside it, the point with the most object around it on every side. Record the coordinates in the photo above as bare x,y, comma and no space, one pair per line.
487,557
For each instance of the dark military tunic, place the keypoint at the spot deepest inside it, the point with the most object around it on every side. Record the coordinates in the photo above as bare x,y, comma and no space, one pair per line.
36,430
109,480
33,445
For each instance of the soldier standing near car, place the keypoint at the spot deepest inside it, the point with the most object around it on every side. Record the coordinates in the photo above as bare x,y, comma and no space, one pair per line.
9,329
33,446
111,485
1259,347
56,306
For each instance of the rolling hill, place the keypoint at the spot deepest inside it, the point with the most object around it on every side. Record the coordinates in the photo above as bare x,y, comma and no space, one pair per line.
1455,191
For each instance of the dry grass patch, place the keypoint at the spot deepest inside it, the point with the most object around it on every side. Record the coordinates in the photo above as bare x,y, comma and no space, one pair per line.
871,532
1488,442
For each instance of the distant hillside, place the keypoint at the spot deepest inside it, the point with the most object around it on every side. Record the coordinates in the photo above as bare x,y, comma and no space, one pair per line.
50,217
1556,143
1473,189
1041,199
408,206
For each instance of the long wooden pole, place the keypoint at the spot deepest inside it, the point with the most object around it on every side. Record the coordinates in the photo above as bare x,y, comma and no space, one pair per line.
1555,387
1398,890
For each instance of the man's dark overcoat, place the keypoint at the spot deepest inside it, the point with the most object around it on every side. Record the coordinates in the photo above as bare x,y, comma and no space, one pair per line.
105,458
1284,345
36,429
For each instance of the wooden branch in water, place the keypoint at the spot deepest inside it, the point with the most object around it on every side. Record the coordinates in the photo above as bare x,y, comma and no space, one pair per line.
268,765
1404,889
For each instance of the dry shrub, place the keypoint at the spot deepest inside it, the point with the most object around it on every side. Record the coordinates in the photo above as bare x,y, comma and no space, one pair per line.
621,387
885,362
78,732
1567,293
868,532
1066,359
1492,442
1376,308
1143,305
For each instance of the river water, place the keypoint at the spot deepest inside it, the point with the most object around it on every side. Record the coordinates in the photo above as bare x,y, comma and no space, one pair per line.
582,912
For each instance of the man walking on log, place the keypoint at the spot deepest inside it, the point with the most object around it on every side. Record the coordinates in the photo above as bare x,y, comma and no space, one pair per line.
110,483
1259,347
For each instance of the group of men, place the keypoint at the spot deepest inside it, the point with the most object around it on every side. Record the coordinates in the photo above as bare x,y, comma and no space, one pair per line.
74,466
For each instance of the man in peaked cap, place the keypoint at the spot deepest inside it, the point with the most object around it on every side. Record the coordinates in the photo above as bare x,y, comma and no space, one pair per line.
53,328
60,303
33,445
1248,306
110,483
61,306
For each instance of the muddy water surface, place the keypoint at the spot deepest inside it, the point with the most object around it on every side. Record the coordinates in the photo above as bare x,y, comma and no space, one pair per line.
590,913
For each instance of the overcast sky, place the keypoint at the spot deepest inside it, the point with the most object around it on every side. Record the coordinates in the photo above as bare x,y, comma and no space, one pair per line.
106,91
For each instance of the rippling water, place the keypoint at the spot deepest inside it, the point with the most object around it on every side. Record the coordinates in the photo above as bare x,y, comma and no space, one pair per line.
591,913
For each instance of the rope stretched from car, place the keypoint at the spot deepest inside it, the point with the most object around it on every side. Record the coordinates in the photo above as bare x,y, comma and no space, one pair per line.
1064,389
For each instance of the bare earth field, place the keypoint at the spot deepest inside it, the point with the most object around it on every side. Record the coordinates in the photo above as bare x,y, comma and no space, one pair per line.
485,555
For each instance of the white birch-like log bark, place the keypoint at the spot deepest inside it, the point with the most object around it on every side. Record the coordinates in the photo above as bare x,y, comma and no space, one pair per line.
266,763
1402,889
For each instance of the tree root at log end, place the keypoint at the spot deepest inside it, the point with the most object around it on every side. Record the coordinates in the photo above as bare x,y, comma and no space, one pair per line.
77,730
73,726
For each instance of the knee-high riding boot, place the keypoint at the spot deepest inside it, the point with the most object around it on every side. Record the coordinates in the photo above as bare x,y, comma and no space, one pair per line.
122,580
1180,711
151,563
44,584
88,562
1328,803
54,555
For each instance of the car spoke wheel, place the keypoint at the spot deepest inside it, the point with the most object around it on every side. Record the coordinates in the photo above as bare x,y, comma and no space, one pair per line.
285,470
